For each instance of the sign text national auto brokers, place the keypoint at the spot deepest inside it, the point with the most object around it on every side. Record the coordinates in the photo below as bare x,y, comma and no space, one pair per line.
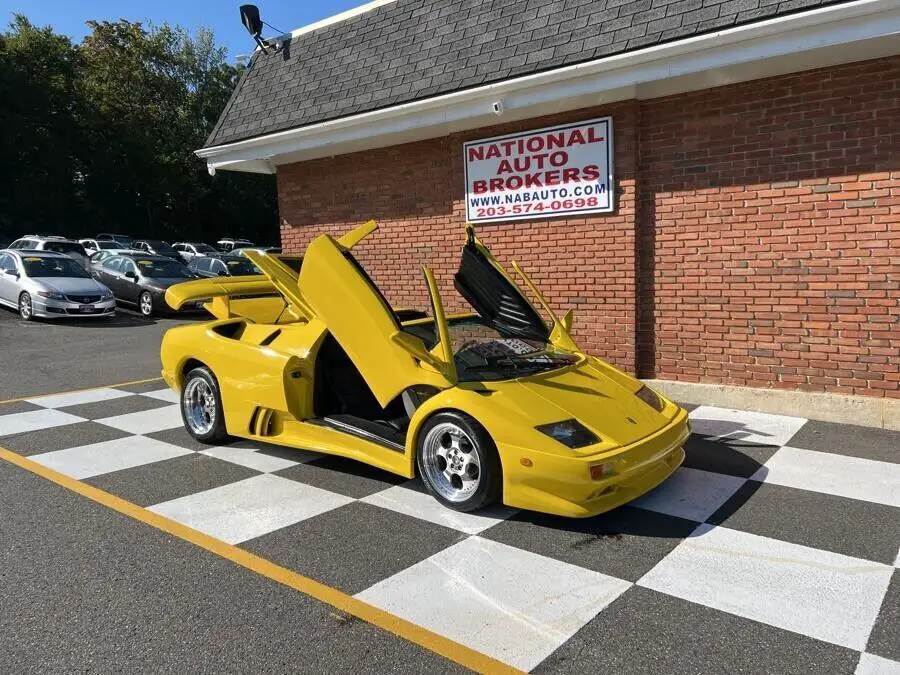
540,174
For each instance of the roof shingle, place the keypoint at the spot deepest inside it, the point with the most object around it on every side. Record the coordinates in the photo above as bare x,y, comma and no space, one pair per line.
413,49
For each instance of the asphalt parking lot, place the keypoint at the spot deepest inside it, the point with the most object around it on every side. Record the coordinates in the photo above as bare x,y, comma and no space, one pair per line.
126,545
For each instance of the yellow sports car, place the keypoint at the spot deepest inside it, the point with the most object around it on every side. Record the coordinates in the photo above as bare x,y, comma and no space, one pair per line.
497,404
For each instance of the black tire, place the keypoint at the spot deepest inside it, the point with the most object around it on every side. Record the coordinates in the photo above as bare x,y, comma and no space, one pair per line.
145,304
490,478
26,307
217,431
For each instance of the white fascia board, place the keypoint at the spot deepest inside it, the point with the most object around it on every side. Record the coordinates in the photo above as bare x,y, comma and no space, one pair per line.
774,45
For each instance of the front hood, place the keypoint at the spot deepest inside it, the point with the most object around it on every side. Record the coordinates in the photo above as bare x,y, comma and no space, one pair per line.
607,407
71,285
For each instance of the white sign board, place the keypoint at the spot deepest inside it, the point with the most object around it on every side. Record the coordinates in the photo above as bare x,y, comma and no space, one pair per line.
540,174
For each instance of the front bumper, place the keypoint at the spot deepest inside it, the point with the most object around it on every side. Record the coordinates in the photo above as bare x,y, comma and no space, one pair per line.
562,485
50,308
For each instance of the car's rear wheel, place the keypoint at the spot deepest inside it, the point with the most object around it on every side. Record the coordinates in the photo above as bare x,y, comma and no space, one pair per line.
145,304
201,406
26,308
458,462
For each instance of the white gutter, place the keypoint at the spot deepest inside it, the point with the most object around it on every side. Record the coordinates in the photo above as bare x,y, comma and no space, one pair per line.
630,75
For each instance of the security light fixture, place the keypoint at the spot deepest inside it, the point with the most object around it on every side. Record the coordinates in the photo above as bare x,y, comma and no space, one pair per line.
254,25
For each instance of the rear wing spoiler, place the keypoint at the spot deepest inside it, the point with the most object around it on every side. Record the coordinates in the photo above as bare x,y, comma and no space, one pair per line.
217,293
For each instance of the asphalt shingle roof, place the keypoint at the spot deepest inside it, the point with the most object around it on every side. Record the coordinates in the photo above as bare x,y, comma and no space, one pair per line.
415,49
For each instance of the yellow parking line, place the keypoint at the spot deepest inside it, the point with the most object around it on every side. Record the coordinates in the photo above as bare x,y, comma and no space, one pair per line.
74,391
414,633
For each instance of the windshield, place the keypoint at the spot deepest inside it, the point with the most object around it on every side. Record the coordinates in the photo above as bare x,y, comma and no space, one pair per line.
163,248
238,268
64,247
168,269
37,268
204,248
107,244
482,353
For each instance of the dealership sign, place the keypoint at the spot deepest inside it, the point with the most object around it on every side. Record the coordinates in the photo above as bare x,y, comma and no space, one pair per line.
540,174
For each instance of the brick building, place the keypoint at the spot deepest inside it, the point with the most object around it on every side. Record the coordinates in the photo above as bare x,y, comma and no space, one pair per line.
752,244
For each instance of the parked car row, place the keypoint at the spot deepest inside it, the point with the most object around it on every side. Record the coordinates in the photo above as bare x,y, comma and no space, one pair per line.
49,277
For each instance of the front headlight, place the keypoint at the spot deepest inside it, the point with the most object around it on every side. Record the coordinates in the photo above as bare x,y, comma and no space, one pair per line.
571,433
51,295
650,397
106,296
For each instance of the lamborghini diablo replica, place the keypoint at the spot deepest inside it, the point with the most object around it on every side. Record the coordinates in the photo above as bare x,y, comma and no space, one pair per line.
495,404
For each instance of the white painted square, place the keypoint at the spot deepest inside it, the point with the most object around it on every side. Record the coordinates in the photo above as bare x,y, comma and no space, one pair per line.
146,421
510,604
249,458
870,664
853,477
824,595
99,458
78,397
250,508
690,493
165,394
744,426
35,420
412,502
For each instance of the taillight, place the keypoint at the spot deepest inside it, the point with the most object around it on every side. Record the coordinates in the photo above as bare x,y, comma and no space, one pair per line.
601,471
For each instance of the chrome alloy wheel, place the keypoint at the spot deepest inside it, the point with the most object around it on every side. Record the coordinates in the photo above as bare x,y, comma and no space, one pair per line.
199,403
25,308
452,462
146,304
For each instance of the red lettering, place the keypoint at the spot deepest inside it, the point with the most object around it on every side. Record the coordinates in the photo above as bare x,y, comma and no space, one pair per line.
479,186
570,175
591,172
504,167
561,158
533,180
495,184
514,182
551,177
593,136
476,153
535,144
556,140
576,138
493,152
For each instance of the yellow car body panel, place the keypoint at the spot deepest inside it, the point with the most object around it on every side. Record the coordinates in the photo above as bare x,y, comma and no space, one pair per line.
267,375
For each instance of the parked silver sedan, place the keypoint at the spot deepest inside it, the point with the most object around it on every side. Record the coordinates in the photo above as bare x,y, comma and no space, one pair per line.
51,286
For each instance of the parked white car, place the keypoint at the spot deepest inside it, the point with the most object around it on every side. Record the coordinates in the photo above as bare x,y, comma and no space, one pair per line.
34,242
51,286
91,246
191,249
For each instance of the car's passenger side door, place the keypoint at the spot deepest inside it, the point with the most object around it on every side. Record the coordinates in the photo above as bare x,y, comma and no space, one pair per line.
131,288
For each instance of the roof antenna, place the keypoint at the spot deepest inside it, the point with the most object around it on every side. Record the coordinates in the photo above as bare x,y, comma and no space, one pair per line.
254,25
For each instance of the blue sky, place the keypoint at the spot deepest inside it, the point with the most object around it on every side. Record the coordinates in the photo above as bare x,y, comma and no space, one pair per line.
69,16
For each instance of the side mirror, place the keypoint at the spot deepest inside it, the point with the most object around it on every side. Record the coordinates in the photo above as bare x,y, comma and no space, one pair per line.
131,275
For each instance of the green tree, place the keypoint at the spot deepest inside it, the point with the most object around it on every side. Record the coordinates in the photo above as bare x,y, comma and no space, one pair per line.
39,135
101,135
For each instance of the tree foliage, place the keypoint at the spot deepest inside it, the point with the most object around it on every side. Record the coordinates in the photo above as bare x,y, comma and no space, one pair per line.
100,135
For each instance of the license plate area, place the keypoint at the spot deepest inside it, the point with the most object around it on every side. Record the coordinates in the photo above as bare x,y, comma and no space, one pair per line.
85,309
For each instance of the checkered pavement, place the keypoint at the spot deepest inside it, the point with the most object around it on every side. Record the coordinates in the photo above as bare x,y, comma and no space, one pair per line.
775,548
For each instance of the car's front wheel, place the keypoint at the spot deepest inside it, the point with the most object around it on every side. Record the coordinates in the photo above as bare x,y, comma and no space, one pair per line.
145,304
458,462
26,308
201,406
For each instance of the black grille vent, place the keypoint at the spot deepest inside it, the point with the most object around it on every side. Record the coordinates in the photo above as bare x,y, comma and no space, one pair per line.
83,299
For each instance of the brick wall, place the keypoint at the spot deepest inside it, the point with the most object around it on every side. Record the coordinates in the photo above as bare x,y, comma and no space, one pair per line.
775,213
752,242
